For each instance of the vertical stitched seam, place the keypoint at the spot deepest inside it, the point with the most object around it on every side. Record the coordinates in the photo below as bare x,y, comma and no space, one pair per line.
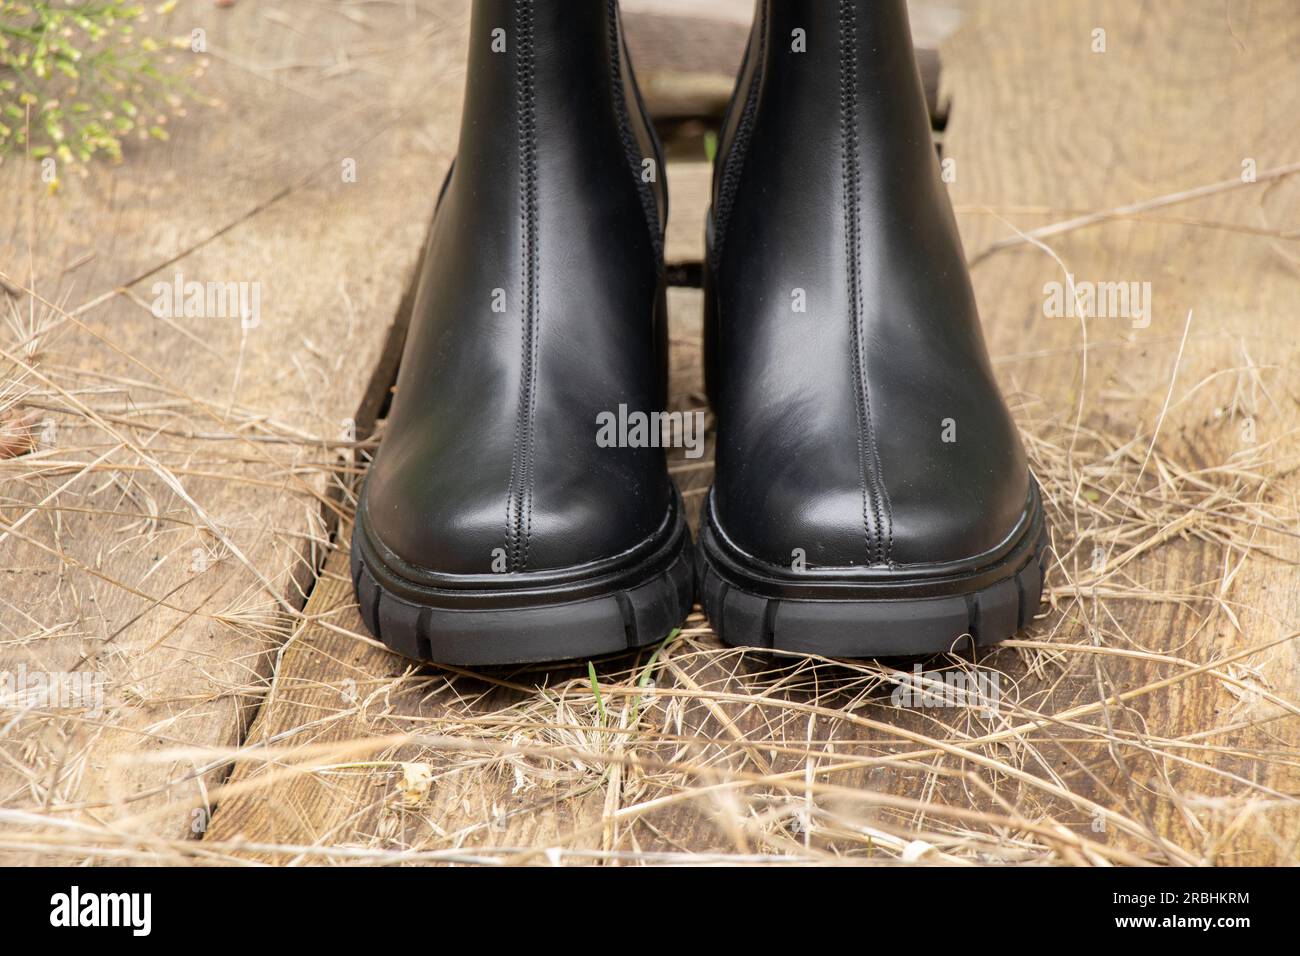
884,510
634,158
519,504
871,515
735,158
531,331
514,448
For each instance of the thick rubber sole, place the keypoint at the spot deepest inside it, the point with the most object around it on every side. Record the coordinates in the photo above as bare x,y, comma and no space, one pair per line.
520,624
908,616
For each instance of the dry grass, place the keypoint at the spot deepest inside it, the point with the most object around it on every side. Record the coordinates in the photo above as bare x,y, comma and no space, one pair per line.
1122,735
163,535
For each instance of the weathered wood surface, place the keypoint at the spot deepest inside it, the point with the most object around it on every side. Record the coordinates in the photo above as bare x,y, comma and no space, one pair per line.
338,691
162,536
687,54
1181,98
1195,763
1152,711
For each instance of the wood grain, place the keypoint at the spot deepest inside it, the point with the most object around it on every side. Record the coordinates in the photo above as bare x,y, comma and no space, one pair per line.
176,445
1150,712
1179,99
1186,767
687,55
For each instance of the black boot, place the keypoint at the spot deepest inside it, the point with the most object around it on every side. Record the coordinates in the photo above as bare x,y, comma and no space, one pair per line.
492,529
872,496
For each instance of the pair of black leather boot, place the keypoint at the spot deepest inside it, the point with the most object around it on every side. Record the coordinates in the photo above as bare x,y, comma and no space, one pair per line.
871,494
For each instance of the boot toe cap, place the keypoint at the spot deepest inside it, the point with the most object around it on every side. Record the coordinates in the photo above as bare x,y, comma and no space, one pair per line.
442,520
839,528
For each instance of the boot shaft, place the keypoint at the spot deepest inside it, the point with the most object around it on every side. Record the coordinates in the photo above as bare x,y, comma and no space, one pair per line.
550,101
540,308
841,316
836,82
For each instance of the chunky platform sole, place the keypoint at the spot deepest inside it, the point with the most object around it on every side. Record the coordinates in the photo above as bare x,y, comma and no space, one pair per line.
872,614
529,618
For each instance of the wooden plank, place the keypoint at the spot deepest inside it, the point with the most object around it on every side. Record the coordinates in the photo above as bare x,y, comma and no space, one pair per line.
691,184
325,694
687,55
1149,715
351,670
1179,99
335,687
161,538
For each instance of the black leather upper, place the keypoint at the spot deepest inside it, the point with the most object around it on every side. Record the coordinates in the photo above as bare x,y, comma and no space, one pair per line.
831,421
491,443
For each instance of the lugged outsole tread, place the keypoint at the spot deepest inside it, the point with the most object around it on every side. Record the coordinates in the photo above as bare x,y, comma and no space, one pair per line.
625,619
877,628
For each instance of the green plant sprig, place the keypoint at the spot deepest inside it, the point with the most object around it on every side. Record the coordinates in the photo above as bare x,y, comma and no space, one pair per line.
78,78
